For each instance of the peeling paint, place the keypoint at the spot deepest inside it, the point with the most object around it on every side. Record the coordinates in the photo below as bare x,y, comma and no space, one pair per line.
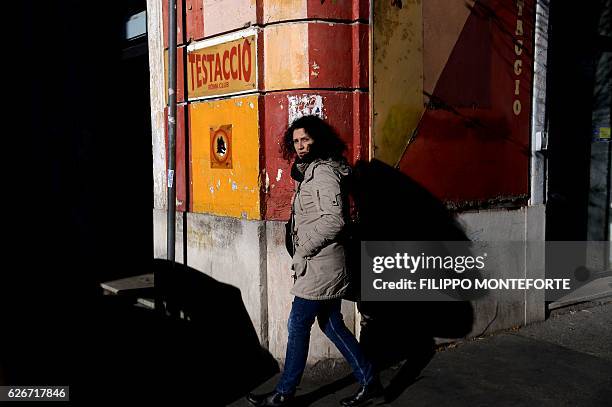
234,186
212,190
267,182
251,105
315,69
305,105
279,174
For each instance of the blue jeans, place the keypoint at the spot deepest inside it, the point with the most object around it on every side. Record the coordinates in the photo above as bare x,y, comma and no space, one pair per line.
327,312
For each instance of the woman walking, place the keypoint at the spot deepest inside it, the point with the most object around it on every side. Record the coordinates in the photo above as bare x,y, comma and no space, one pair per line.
318,218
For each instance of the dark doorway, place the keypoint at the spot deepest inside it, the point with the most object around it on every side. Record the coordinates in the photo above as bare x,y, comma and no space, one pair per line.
579,98
81,174
578,85
134,77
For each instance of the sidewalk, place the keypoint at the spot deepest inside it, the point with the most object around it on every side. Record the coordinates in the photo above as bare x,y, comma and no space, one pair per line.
563,361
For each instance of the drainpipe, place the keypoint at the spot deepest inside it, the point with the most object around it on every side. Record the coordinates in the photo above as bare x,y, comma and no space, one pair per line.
171,220
539,115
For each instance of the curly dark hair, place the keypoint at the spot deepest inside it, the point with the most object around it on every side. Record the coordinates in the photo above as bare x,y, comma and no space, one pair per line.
327,144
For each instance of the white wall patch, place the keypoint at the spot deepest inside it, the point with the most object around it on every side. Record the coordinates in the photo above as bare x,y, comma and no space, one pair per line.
305,105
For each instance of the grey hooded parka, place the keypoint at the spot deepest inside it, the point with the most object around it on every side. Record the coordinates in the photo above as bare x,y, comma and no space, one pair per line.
319,215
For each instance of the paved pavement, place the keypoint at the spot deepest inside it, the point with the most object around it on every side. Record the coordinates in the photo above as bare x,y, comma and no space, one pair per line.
593,290
563,361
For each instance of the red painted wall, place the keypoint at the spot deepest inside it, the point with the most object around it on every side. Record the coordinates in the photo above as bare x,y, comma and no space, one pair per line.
470,146
347,112
194,20
181,94
180,32
339,10
341,54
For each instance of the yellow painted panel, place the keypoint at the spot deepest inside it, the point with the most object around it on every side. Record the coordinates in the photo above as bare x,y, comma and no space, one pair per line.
279,10
226,191
398,77
286,56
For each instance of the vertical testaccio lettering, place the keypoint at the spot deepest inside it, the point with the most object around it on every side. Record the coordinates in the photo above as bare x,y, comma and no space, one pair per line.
518,62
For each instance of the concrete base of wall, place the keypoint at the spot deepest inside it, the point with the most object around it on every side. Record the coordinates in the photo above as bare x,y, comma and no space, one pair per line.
505,309
251,256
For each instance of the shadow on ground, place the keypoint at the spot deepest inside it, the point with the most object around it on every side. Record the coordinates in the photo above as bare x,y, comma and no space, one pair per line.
203,348
215,347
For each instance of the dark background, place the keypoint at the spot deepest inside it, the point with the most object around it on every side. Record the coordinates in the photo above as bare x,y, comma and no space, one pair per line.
77,204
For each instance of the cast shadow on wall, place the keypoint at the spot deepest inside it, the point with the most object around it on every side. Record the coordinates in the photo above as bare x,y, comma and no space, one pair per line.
393,207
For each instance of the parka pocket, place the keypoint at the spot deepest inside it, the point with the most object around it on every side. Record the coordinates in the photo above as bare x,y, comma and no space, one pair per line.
329,200
307,202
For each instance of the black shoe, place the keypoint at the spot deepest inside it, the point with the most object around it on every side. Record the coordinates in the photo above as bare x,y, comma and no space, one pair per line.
272,399
364,394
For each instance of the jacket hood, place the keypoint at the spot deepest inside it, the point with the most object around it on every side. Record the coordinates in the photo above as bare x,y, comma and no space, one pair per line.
342,167
300,169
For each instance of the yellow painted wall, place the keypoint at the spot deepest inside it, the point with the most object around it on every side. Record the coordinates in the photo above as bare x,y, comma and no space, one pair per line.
226,192
286,53
398,77
278,10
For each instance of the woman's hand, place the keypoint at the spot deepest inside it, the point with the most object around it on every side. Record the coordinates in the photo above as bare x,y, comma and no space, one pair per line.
298,265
